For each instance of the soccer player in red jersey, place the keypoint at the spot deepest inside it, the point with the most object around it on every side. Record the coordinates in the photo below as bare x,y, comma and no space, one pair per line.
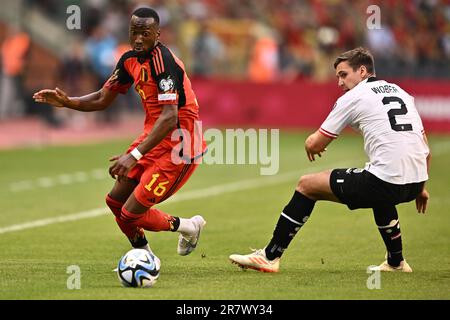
153,168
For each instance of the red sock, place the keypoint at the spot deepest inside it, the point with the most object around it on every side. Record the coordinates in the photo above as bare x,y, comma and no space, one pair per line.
114,205
135,234
128,223
157,220
151,220
116,208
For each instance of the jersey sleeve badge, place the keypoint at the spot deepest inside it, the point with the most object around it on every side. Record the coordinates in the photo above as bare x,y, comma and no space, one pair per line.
167,93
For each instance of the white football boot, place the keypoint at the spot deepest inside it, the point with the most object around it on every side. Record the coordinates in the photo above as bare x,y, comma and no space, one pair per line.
403,267
188,242
256,260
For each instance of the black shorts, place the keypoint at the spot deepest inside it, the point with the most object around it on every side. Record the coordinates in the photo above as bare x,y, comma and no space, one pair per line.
358,188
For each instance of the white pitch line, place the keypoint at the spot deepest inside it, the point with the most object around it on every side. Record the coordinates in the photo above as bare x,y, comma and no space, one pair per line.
183,196
45,222
234,186
437,149
62,179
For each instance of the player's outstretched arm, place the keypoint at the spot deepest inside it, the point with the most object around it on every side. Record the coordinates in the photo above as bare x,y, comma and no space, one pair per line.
316,144
95,101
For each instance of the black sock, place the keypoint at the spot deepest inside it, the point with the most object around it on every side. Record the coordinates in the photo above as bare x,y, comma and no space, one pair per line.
291,220
174,224
389,228
139,239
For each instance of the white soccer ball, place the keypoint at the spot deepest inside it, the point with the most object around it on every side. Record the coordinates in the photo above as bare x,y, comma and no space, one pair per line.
138,268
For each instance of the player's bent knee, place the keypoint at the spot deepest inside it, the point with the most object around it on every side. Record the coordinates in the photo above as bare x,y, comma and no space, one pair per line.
303,185
114,205
313,187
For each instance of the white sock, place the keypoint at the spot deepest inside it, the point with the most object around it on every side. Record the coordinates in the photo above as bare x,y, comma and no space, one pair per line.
186,227
146,247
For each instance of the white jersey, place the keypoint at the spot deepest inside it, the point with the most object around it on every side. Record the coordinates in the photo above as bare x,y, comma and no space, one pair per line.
391,126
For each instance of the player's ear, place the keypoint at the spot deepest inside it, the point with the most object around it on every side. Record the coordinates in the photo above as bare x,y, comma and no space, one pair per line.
362,71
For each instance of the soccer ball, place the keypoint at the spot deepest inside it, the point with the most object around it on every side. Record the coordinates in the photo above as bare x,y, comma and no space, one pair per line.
138,268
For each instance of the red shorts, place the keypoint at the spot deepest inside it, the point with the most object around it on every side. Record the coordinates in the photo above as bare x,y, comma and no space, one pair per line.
159,177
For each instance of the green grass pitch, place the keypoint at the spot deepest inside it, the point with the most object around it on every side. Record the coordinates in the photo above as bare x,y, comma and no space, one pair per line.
327,260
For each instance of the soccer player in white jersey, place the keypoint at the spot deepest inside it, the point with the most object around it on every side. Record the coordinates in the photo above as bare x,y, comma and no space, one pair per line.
399,158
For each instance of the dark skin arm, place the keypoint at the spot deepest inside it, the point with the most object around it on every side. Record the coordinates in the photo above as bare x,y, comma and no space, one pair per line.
166,122
94,101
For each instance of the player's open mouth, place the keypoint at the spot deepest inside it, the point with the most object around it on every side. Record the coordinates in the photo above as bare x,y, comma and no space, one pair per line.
138,49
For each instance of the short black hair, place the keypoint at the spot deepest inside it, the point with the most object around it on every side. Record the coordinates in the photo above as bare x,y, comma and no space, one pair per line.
146,12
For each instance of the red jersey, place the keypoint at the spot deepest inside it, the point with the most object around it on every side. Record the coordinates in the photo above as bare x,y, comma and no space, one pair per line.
160,79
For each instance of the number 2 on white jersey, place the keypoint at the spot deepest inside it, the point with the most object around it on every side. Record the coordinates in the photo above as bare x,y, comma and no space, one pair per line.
395,112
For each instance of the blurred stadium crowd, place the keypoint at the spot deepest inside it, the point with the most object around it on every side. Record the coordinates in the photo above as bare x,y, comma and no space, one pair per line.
252,40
